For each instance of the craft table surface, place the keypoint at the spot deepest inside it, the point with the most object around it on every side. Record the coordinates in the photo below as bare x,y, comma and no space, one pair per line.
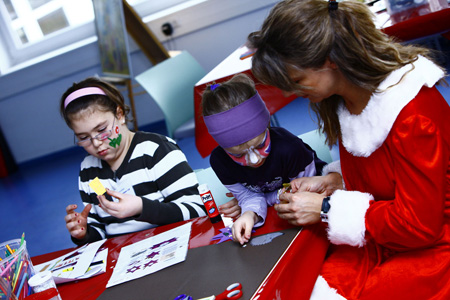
306,253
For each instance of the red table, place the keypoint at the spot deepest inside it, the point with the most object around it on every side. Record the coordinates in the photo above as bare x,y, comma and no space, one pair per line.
232,65
306,253
437,22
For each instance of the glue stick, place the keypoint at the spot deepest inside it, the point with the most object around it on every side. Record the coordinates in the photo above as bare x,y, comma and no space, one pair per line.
209,203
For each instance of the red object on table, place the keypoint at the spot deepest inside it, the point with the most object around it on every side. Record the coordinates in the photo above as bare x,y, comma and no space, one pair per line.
306,253
437,22
232,65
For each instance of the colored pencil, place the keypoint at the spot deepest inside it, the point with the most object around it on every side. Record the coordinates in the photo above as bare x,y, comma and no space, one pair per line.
21,283
9,265
22,239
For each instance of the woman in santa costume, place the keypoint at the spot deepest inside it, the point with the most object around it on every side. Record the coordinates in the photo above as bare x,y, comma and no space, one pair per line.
389,218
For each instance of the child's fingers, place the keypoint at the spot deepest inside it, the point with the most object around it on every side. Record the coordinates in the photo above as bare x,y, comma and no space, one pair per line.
86,210
71,208
114,194
230,204
236,232
78,233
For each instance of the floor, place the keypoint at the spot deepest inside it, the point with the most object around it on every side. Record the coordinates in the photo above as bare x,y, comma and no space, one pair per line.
33,199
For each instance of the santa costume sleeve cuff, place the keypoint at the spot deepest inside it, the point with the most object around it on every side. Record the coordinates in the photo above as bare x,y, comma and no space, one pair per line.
346,218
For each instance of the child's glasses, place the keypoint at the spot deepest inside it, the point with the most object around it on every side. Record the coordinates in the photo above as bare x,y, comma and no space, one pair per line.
100,137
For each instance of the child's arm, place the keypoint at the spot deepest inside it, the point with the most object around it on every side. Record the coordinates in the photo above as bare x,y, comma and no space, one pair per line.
250,201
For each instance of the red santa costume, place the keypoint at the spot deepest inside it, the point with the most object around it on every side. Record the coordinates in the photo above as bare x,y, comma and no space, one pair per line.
390,228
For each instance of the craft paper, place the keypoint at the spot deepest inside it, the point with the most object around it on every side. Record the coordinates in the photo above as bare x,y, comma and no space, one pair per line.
151,255
81,263
97,186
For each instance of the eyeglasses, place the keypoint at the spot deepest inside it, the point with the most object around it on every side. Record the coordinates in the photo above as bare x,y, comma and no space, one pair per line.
100,137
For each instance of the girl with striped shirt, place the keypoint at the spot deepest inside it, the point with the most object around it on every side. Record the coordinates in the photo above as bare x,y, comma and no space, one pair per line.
147,178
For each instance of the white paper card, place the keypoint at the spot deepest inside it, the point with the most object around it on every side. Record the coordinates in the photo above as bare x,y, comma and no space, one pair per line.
151,255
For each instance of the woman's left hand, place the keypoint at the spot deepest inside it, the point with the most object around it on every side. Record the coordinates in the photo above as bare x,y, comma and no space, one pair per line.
128,205
301,208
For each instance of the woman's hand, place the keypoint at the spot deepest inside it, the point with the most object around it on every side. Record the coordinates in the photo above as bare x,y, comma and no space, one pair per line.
318,184
242,227
128,205
301,208
231,209
76,223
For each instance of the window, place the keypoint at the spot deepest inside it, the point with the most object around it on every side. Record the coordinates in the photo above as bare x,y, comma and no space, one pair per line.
30,29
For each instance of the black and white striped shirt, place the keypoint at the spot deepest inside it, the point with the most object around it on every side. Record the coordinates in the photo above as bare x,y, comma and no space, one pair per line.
154,169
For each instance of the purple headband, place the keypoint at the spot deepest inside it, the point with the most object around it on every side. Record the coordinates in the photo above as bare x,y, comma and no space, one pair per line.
239,124
83,92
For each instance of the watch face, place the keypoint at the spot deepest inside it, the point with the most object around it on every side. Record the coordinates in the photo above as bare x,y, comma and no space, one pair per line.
324,216
325,204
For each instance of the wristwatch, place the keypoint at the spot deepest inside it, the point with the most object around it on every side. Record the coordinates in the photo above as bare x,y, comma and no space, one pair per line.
325,208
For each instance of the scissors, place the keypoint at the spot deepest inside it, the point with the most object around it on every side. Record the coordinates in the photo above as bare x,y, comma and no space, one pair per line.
183,297
233,291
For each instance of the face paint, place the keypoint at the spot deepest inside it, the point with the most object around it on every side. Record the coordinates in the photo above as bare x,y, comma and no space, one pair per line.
116,141
254,155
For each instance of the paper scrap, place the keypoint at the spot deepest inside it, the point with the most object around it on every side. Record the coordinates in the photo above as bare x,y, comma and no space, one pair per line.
97,186
84,262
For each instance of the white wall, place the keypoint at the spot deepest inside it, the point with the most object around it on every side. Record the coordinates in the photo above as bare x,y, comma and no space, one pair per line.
29,98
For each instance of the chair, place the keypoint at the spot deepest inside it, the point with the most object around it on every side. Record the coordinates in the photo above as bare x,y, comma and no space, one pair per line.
216,187
316,140
171,84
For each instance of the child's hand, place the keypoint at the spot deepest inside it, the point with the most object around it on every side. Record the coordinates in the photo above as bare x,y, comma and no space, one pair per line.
128,205
242,227
231,209
76,223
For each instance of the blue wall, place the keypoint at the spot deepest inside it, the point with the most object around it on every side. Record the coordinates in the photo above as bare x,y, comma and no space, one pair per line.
29,98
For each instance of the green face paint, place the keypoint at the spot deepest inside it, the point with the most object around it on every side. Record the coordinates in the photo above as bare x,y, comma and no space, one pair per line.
115,141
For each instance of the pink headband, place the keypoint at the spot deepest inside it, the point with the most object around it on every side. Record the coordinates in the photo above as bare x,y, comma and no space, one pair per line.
83,92
239,124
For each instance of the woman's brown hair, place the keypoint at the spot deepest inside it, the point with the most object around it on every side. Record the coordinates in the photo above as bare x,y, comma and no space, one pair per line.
303,34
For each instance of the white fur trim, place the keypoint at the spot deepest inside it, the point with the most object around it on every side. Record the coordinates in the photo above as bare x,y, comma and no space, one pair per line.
322,291
333,167
364,133
346,218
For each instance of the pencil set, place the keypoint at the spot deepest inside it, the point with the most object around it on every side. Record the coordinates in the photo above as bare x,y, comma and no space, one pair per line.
15,270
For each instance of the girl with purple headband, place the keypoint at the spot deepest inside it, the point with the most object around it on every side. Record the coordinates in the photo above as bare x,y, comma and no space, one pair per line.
253,160
147,178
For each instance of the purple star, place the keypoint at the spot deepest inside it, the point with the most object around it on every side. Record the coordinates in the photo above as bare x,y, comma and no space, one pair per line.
133,269
150,263
224,235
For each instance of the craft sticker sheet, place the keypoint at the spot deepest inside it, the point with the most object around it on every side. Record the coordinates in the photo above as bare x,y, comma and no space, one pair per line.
85,262
151,255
